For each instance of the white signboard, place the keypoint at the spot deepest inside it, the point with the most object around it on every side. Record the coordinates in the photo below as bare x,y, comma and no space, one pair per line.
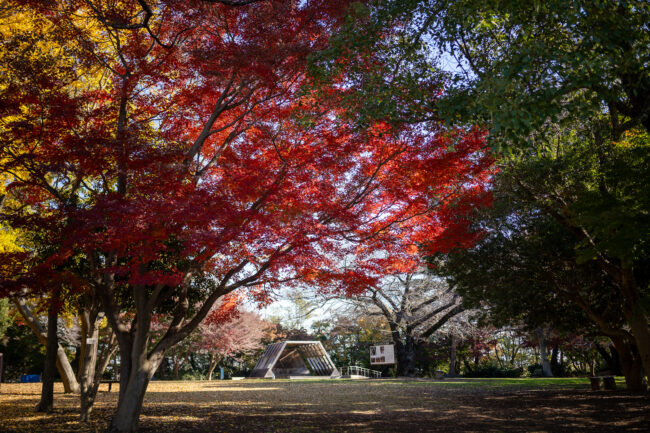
382,355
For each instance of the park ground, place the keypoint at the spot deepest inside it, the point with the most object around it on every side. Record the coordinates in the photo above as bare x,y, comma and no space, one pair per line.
405,406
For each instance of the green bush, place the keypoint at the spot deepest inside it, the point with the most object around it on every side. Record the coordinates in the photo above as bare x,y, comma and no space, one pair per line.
535,370
494,370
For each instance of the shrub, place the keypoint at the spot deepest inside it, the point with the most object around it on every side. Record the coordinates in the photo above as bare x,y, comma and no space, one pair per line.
494,370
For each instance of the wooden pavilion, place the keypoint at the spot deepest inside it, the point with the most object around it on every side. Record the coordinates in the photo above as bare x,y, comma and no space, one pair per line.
295,360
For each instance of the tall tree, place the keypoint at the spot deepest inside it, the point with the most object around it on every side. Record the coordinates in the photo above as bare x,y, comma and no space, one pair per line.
204,165
415,306
525,271
46,404
537,74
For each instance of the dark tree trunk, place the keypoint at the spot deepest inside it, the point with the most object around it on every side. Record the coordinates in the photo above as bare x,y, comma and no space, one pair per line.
556,366
452,356
400,352
543,353
611,358
47,390
636,316
406,357
631,364
616,368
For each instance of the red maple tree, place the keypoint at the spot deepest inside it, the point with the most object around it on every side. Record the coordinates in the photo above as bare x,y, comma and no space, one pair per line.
202,164
238,333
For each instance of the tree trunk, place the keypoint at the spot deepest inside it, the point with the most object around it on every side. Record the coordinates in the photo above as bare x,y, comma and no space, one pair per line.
407,357
641,331
452,356
47,390
138,371
214,361
631,364
616,367
400,352
127,415
611,358
543,354
175,370
101,365
556,368
70,383
89,344
636,316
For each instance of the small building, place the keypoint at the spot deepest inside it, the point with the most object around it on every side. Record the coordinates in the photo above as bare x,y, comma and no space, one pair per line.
295,360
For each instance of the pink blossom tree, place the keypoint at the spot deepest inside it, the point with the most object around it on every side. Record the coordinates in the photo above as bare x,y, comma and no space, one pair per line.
230,331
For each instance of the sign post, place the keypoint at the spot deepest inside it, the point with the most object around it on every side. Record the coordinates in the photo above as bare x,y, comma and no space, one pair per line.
382,354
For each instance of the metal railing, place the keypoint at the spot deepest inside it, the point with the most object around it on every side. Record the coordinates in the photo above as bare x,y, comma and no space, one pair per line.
353,370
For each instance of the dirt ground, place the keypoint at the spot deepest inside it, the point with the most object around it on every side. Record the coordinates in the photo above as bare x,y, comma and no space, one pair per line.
463,405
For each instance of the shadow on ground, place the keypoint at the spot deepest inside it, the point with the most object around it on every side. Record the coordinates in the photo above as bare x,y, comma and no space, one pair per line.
344,406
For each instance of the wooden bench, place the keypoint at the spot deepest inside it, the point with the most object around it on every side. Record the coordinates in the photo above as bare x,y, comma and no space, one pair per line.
608,383
110,383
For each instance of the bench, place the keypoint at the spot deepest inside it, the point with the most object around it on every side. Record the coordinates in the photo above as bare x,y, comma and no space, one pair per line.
110,383
608,383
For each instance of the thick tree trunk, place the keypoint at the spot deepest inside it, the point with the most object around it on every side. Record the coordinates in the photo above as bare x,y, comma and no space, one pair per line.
47,390
631,364
543,353
127,415
138,373
636,316
70,383
641,331
406,357
452,356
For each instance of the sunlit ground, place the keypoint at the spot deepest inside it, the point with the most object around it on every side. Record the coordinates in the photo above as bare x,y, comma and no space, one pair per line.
459,405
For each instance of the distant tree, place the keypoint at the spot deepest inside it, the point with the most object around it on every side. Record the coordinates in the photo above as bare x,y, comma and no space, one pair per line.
229,334
415,306
347,337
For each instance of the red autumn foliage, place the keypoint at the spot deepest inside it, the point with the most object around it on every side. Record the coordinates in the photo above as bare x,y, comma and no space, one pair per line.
240,333
204,165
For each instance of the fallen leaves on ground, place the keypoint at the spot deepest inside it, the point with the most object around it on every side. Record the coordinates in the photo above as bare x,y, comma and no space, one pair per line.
338,405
